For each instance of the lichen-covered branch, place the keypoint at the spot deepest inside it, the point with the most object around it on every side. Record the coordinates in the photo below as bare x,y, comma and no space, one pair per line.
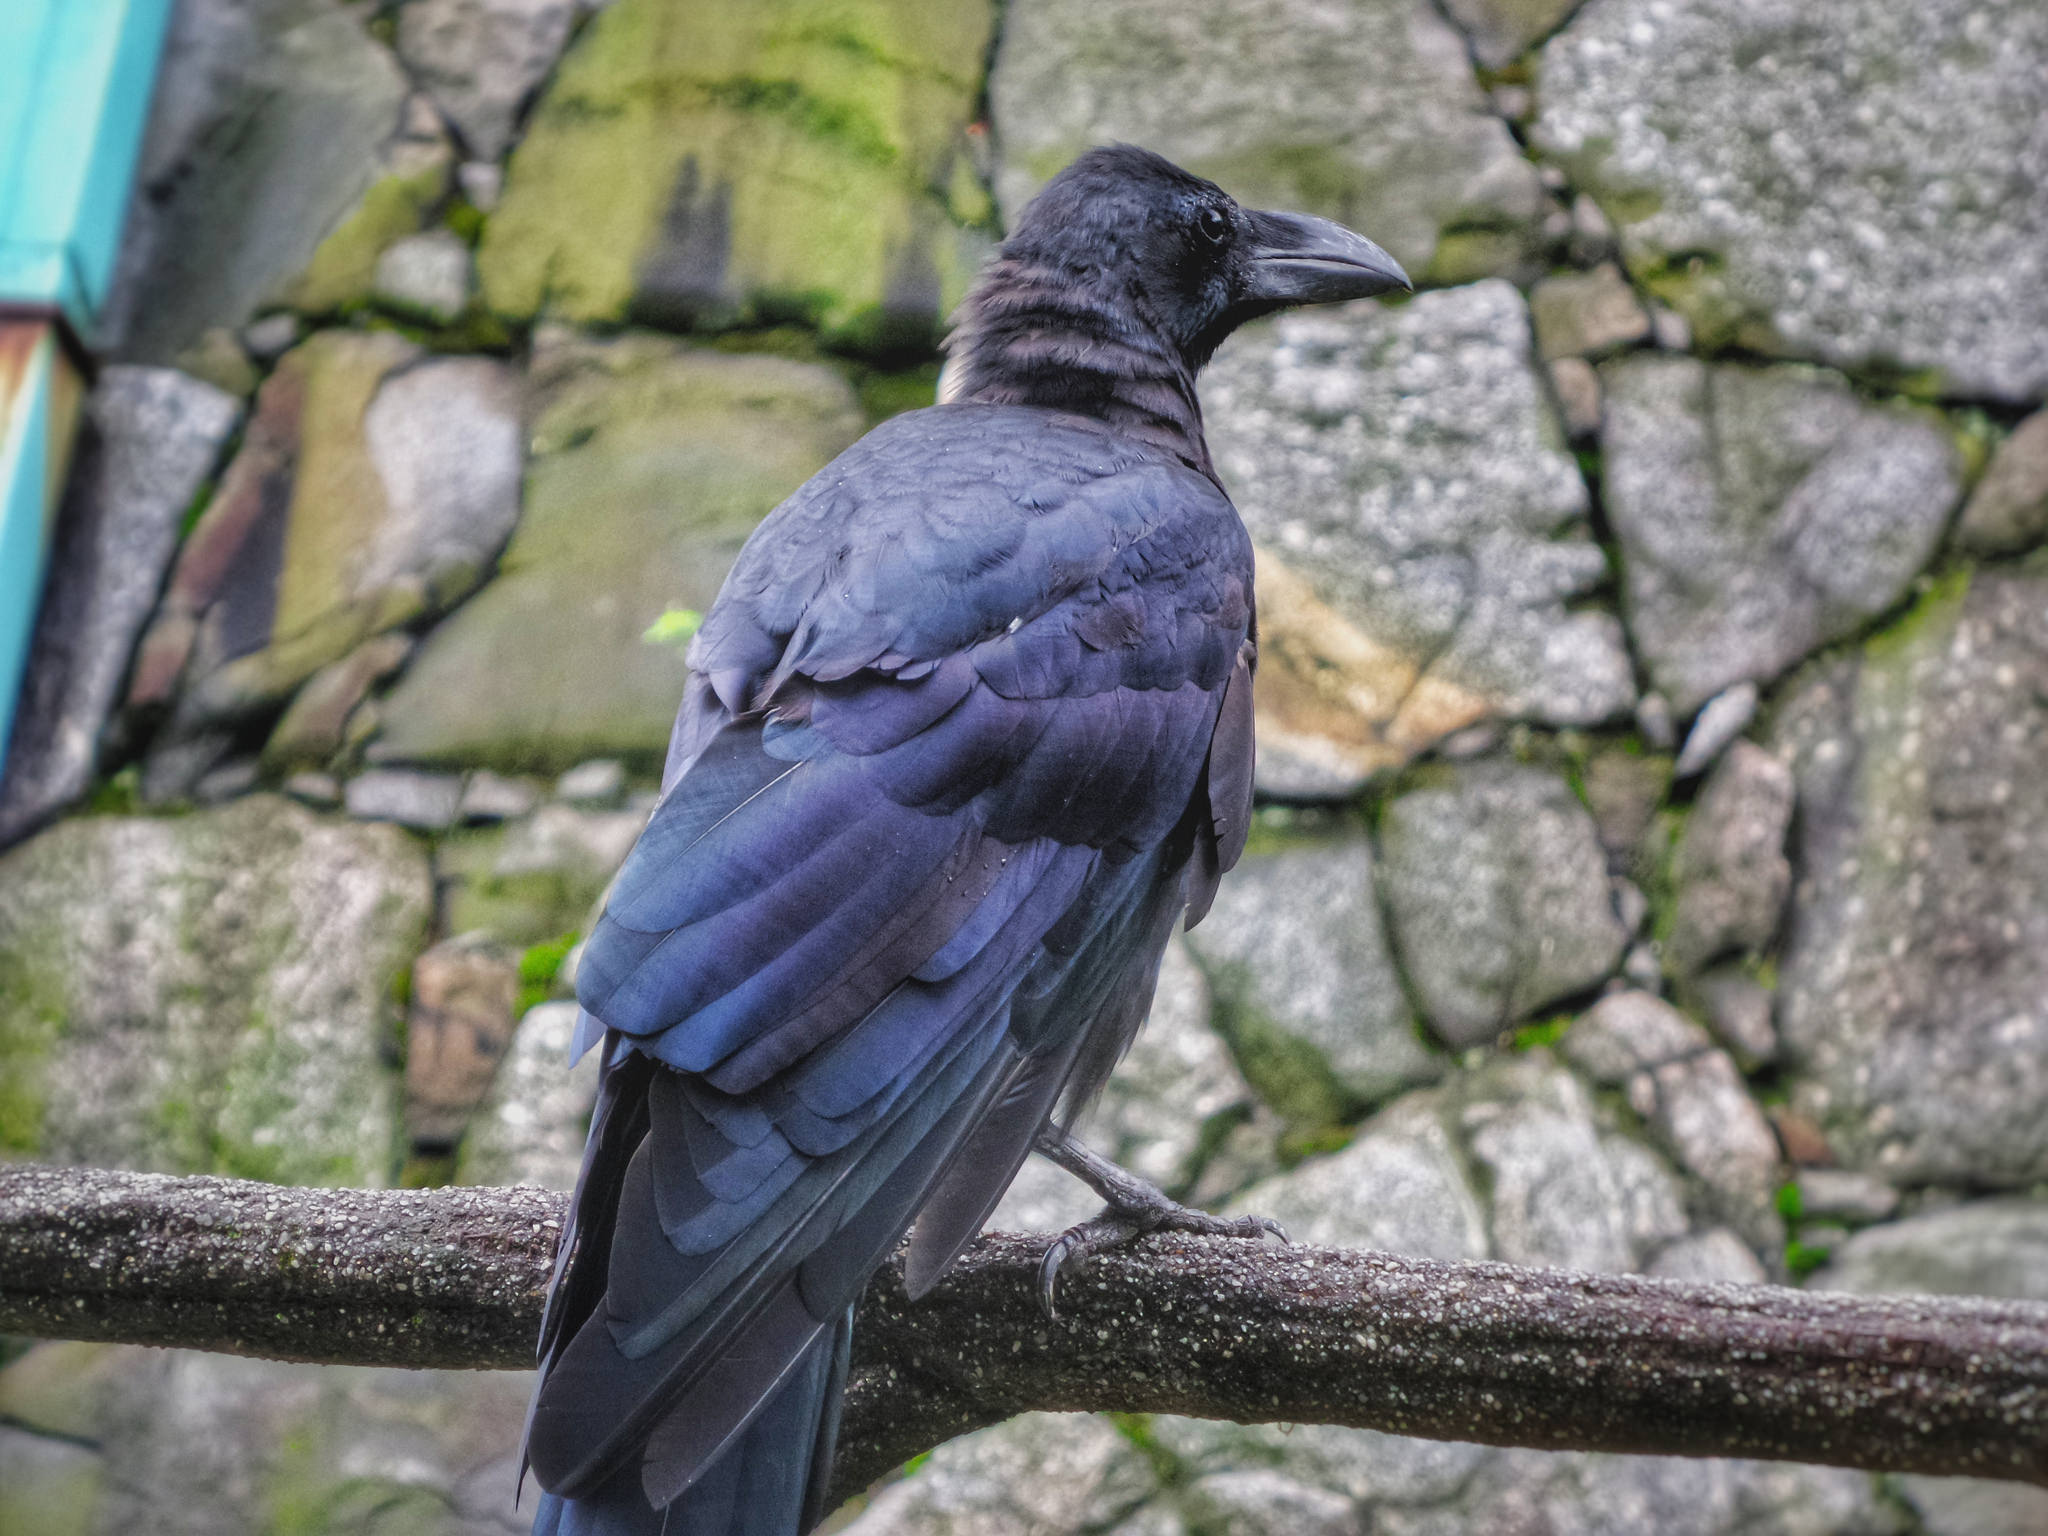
434,1277
1215,1328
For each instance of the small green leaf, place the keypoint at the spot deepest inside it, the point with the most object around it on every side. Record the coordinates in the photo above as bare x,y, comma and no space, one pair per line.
1542,1032
1790,1203
675,627
1804,1258
538,967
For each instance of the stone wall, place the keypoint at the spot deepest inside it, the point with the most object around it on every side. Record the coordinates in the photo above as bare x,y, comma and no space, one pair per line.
1652,869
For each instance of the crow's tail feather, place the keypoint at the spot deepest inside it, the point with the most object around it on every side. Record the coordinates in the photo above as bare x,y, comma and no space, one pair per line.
764,1485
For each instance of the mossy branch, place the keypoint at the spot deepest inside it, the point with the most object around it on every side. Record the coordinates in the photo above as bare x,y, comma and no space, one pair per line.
1219,1329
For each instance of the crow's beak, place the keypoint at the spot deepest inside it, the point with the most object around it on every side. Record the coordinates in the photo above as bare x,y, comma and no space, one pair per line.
1297,259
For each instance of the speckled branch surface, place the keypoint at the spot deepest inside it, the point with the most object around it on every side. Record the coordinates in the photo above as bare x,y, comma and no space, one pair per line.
1217,1328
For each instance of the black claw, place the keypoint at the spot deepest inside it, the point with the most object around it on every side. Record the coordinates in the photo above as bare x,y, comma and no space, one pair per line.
1048,1277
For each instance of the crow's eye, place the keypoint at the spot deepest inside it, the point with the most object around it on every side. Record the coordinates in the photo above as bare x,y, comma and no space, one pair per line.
1212,226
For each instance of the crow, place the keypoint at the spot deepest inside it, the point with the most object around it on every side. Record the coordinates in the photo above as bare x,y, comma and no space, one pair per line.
967,731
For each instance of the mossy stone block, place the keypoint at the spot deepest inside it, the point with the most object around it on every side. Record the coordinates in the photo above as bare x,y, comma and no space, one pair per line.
652,462
207,993
696,166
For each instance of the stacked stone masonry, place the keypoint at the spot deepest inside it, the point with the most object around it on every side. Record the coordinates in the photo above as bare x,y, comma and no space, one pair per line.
1651,869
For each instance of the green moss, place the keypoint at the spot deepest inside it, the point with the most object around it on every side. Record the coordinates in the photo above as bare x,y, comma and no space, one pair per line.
539,964
652,462
217,357
1935,611
849,124
29,1031
54,1496
1802,1259
1976,437
345,263
1887,376
890,393
1276,828
467,222
1286,1072
427,1170
317,1501
1466,255
1658,863
1541,1032
1137,1429
820,143
525,909
1790,1201
1694,283
119,795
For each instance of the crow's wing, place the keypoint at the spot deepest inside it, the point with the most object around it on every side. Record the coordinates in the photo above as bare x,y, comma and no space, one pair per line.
953,739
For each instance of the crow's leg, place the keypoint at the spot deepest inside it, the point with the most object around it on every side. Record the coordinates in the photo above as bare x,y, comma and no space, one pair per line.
1134,1208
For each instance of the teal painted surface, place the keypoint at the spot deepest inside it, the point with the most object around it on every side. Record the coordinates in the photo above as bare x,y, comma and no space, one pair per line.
75,79
75,82
24,519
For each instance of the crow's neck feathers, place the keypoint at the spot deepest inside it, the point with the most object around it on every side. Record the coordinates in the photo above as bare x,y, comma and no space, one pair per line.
1038,333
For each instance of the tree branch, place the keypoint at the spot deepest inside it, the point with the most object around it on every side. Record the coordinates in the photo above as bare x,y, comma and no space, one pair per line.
1214,1328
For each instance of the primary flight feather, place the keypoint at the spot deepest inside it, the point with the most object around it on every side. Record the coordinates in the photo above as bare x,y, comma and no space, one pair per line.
968,730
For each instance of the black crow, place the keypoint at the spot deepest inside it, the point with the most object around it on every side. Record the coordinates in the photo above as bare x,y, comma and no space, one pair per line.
968,729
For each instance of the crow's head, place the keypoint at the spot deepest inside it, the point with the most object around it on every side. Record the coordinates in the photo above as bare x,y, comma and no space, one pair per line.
1125,222
1126,268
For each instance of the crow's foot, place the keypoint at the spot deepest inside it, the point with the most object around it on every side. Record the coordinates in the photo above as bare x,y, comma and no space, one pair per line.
1134,1209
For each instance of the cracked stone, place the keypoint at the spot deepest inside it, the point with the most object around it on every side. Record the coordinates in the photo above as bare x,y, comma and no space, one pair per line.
1912,986
1497,887
1259,1501
489,797
1856,1197
287,106
373,487
1737,1008
1980,1248
315,723
1577,383
1503,30
1297,952
150,437
1422,532
482,59
1562,1192
1583,314
1762,513
599,784
1864,193
1693,1098
1731,873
